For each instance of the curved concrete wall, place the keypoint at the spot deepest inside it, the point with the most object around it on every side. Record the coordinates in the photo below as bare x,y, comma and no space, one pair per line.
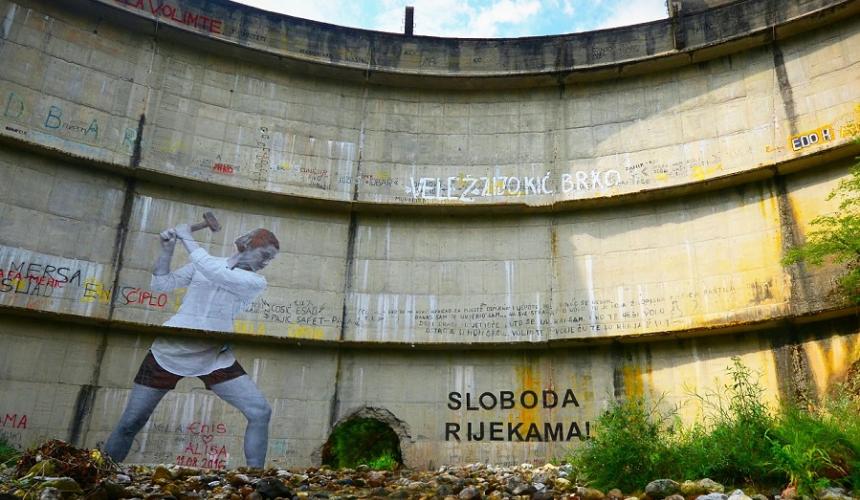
538,221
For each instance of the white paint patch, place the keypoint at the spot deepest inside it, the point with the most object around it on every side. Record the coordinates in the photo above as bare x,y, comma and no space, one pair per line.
255,371
509,290
145,205
8,19
589,282
388,239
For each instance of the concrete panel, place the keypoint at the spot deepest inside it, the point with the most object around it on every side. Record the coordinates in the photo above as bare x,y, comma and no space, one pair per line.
303,296
42,370
57,233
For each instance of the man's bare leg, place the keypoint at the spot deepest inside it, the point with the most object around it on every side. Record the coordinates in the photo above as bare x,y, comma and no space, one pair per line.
141,403
242,393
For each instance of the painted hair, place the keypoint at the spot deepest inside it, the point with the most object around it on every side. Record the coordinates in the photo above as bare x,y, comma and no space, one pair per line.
256,239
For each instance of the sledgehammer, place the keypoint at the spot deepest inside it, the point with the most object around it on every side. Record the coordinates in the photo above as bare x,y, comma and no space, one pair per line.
209,221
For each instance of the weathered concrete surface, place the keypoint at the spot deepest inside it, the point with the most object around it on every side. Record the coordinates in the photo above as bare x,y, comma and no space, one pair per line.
237,122
435,239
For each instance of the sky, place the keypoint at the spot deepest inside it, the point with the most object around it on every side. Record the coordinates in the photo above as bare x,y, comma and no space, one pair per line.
474,18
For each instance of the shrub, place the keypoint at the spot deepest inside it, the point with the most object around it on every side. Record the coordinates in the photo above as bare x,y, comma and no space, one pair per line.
632,443
732,446
627,450
818,447
740,442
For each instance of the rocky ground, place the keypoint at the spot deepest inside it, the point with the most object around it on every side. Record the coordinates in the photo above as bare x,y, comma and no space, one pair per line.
59,472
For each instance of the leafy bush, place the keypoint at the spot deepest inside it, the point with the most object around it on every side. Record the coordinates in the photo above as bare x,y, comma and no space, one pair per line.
362,441
732,446
835,238
627,450
741,442
808,448
819,447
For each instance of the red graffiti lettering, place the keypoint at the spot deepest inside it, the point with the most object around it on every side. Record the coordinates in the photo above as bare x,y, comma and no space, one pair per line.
223,168
159,8
132,295
198,428
14,421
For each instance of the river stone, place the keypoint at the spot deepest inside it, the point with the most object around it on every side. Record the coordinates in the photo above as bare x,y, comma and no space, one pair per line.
589,493
562,484
661,488
469,493
161,473
713,496
64,485
50,493
739,495
832,494
271,487
615,494
710,486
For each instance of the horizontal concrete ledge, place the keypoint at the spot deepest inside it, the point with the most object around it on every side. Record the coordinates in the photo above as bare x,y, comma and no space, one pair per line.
845,151
691,333
325,50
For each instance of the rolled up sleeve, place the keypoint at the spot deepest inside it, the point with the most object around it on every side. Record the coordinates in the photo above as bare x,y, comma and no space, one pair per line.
173,280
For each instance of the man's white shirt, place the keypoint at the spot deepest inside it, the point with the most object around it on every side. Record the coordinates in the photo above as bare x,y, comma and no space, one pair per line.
216,294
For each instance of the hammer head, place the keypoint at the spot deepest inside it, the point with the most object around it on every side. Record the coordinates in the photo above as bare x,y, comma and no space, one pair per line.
211,221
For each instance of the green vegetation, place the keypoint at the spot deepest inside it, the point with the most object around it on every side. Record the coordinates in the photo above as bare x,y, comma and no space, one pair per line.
8,453
741,442
835,238
363,441
629,450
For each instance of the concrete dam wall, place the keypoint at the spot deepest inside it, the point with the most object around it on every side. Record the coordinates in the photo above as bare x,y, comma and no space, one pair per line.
481,243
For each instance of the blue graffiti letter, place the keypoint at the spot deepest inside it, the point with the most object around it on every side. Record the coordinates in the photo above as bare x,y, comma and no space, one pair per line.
54,113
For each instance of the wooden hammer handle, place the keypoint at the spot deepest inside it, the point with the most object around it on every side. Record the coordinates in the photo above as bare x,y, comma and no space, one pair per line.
199,226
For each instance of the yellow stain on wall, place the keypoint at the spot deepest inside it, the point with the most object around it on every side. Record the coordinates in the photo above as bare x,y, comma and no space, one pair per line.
249,327
700,173
527,382
852,128
634,387
95,290
174,146
582,387
828,361
305,332
662,176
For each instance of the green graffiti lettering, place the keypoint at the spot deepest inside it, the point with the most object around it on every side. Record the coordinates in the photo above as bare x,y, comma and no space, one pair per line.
129,137
14,103
94,128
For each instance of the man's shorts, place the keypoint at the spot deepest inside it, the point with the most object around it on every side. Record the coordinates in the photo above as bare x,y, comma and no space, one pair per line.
151,374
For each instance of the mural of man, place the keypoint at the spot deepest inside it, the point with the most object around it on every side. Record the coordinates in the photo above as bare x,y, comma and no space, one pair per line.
218,289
